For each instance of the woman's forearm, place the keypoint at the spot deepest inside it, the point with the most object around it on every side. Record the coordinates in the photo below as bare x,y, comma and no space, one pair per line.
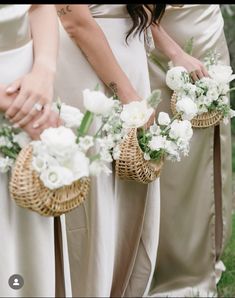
83,29
44,27
164,42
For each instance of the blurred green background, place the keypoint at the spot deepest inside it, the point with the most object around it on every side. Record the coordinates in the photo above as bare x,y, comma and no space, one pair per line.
226,286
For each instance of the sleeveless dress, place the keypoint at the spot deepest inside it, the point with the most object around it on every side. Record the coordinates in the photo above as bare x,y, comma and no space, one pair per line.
113,236
27,239
196,194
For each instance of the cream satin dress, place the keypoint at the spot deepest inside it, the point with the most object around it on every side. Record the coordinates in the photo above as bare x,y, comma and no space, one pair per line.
113,236
196,192
31,245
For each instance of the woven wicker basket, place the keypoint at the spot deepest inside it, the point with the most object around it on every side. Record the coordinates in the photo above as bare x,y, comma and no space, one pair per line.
132,166
201,121
28,191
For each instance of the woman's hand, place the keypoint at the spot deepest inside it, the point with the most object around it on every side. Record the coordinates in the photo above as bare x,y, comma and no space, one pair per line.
35,94
195,67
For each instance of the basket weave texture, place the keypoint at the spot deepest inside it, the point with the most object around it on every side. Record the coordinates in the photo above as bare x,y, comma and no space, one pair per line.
131,164
29,192
201,121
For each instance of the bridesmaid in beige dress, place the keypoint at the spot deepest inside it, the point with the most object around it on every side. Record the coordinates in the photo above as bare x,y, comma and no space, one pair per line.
31,245
113,236
195,193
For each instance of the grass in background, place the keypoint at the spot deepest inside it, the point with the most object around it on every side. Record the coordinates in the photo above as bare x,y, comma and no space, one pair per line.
226,286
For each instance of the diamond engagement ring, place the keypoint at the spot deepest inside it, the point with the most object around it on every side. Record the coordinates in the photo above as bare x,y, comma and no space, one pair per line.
37,106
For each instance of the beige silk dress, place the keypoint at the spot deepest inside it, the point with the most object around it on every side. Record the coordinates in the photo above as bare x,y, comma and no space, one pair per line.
113,236
32,246
196,192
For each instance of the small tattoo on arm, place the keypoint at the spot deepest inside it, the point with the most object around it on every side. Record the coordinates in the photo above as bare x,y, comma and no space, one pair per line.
63,11
114,88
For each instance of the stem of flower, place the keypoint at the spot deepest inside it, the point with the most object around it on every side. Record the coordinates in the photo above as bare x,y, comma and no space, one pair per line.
94,157
86,123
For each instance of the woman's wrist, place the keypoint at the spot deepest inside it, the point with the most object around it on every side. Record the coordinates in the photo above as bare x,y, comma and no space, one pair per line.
45,68
124,93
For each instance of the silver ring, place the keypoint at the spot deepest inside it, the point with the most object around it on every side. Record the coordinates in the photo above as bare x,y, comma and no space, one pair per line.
37,106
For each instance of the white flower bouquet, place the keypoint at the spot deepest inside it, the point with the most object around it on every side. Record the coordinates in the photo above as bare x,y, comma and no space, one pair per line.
51,175
206,101
143,151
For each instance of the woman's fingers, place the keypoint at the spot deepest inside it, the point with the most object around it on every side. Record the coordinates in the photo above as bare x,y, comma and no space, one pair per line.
28,116
15,106
15,86
45,116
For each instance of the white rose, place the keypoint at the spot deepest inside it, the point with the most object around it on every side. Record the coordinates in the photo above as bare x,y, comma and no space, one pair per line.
5,164
188,107
22,138
71,116
181,129
79,165
136,114
97,102
56,177
176,77
163,118
97,167
59,141
221,73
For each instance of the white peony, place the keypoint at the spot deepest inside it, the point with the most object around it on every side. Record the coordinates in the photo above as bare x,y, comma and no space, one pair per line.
97,167
71,116
5,164
176,78
56,177
163,118
187,107
59,141
97,102
136,114
22,138
221,73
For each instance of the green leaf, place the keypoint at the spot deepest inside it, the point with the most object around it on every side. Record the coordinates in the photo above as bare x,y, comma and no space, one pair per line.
97,87
154,99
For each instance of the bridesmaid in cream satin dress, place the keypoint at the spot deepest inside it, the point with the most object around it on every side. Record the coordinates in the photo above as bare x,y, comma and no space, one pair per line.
113,236
195,193
31,245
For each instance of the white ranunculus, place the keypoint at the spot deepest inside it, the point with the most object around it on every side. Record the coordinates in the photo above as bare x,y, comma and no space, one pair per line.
38,148
188,107
60,141
71,116
97,102
5,164
176,77
56,177
181,129
163,118
97,167
79,165
221,73
22,138
135,114
39,163
85,143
